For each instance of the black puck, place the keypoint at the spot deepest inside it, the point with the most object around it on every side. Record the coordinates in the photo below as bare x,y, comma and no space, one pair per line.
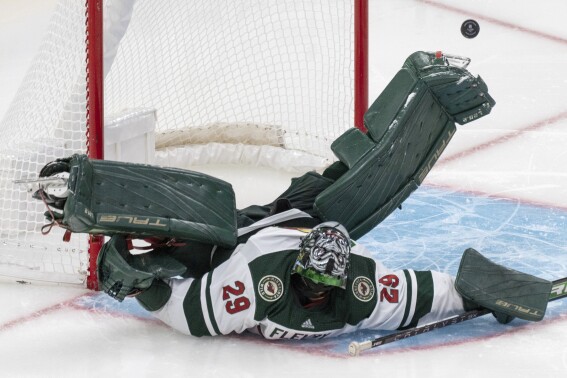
470,29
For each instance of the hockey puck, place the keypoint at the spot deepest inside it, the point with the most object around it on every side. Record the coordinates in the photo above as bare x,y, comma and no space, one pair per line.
470,29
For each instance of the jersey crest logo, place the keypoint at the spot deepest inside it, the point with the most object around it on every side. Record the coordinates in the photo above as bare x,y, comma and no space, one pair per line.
270,288
363,289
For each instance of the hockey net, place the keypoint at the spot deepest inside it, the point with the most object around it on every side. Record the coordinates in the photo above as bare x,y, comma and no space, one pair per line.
272,79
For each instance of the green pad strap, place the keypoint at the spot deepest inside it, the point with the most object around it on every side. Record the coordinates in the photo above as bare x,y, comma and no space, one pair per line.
155,297
108,197
352,146
501,289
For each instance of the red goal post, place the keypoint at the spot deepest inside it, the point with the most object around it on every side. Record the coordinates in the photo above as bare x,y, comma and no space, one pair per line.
94,112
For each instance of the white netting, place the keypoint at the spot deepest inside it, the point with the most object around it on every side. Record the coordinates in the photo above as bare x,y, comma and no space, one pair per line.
283,63
45,121
275,69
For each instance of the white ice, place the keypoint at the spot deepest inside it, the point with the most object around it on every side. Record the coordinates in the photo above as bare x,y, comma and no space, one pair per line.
517,154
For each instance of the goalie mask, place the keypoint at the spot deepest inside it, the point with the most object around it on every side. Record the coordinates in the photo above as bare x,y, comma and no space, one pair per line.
324,255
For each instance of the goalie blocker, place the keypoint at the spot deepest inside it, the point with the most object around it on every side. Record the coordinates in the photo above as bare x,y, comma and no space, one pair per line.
409,126
506,292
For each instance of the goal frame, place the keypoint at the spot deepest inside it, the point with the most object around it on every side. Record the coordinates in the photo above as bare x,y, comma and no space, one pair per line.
95,93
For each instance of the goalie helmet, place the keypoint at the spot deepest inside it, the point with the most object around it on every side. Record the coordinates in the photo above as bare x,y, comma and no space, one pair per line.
324,255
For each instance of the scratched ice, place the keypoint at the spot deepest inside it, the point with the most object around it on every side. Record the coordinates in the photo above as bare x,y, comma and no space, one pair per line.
518,153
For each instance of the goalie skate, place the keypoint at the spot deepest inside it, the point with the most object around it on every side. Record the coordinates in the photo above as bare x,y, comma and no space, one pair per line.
56,185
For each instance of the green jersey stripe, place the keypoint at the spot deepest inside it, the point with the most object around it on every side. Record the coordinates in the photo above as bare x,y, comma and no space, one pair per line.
424,295
210,303
408,299
191,308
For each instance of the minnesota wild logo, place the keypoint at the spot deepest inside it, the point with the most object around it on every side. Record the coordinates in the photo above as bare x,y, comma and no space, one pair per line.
363,288
270,288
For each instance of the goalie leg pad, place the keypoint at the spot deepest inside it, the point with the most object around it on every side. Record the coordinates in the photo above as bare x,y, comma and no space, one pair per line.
500,289
108,197
390,162
409,125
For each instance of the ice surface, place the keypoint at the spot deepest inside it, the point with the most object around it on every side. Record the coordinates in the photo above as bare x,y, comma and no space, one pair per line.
500,187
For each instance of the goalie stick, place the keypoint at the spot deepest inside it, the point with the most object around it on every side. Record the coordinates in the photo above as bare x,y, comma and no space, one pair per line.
558,291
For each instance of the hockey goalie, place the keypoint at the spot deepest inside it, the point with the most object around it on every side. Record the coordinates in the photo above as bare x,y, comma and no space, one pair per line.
292,269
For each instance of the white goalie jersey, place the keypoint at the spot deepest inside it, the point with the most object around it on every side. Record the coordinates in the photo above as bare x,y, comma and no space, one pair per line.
252,291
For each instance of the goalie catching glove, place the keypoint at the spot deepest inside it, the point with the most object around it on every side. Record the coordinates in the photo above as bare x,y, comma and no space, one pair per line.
122,274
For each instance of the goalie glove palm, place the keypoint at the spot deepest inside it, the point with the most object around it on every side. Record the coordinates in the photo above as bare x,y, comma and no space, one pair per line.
121,274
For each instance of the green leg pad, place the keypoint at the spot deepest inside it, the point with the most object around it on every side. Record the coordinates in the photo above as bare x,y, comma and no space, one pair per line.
409,126
401,146
109,197
501,289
